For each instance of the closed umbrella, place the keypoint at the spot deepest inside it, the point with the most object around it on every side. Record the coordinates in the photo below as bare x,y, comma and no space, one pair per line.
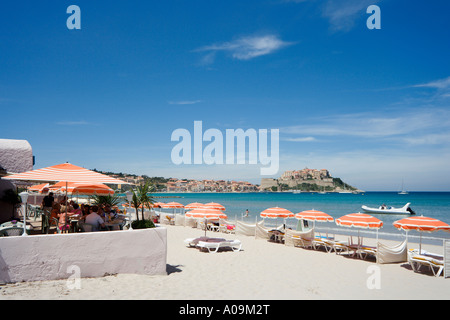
421,224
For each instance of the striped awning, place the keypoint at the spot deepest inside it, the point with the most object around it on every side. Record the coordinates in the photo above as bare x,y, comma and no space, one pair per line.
65,172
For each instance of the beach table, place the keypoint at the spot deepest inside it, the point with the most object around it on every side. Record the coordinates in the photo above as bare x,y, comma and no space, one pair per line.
277,235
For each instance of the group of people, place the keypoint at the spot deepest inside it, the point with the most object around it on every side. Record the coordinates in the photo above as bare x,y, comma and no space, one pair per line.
60,212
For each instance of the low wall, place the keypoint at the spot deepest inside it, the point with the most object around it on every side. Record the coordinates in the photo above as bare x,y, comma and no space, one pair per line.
93,254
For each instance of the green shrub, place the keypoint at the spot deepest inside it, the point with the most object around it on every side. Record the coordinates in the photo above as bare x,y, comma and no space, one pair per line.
142,224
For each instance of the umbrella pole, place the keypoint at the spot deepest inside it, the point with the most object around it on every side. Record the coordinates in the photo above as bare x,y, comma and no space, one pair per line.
420,245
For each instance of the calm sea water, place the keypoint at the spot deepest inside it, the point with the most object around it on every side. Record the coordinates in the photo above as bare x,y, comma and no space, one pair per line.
430,204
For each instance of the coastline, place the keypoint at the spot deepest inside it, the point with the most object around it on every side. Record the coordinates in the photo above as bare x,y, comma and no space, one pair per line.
261,271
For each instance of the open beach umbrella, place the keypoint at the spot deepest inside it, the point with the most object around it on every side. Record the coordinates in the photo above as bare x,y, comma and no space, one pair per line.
314,215
214,205
41,188
360,220
421,224
87,189
171,205
65,172
206,214
194,205
275,213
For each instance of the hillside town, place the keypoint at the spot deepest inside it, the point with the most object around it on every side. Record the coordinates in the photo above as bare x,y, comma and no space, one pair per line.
187,185
309,180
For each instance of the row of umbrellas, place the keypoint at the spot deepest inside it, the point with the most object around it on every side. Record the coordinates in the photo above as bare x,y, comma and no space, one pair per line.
362,220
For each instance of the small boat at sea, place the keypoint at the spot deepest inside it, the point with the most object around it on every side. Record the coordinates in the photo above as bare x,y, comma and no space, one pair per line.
390,210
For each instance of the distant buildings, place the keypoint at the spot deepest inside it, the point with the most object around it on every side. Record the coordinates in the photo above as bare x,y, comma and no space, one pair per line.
187,185
176,185
306,180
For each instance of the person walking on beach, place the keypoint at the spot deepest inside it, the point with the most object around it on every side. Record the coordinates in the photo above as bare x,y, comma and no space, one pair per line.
246,213
47,206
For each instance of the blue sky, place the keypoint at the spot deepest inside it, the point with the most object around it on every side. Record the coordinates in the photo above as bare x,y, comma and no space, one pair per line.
372,106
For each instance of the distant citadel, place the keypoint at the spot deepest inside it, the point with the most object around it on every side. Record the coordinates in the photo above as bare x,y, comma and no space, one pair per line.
311,180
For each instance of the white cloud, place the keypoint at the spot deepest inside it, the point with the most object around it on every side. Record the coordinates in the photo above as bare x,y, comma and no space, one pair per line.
412,127
441,84
73,123
342,14
245,48
300,139
184,102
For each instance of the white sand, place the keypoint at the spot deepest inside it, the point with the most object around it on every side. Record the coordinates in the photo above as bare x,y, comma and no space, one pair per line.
263,270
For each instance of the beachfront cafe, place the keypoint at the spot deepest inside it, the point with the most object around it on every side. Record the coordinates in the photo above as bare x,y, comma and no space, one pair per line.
26,247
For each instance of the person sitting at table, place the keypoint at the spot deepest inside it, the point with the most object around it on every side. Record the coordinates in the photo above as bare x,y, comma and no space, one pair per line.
111,214
95,220
86,210
76,210
63,222
56,210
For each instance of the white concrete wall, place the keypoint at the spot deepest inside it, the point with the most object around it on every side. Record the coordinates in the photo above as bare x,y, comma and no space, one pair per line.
16,155
48,257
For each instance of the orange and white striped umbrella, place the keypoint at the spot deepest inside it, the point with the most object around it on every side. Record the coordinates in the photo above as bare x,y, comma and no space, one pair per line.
276,212
206,213
359,220
314,215
214,205
194,205
421,224
65,172
87,189
171,205
41,188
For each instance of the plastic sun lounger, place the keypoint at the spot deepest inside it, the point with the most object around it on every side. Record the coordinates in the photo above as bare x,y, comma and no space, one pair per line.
214,246
193,242
431,261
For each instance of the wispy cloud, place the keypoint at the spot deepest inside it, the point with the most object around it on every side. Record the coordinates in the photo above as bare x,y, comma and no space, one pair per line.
300,139
419,127
185,102
245,48
441,84
73,123
342,14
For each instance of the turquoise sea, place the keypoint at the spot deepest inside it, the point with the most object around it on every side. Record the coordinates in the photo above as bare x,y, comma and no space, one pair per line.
430,204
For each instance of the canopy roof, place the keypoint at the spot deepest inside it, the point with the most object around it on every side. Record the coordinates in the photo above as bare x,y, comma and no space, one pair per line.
65,172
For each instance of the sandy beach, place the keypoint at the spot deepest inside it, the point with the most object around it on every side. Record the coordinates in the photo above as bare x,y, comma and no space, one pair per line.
261,271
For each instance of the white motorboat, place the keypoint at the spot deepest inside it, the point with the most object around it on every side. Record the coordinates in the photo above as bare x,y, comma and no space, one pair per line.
390,210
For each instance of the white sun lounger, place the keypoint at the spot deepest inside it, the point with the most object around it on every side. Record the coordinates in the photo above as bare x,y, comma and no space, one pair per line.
193,242
429,260
212,246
